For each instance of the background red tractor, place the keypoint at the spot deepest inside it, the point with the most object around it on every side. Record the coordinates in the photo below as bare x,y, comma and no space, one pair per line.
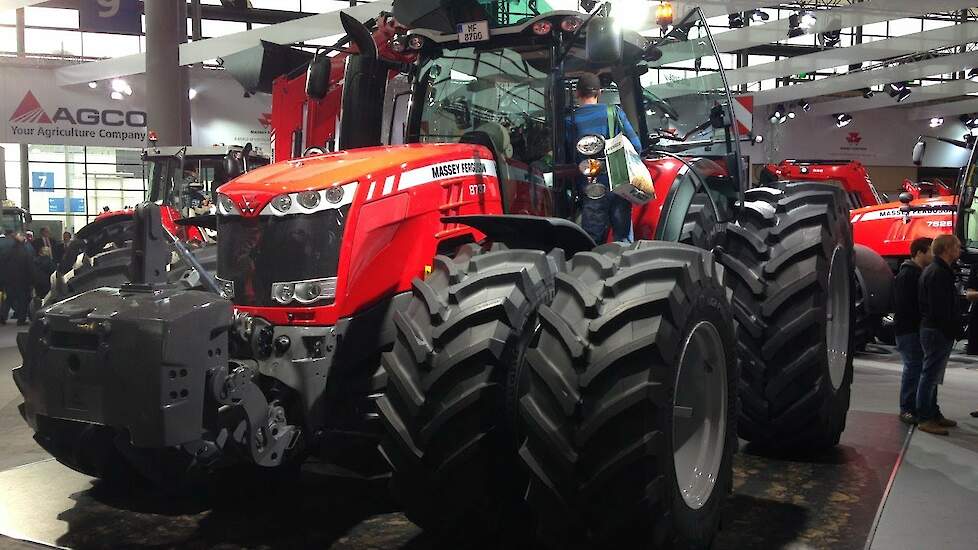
182,180
434,296
882,228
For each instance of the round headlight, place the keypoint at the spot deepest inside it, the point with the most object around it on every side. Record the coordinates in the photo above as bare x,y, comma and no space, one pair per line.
570,24
309,199
398,45
590,167
542,27
282,203
334,194
283,292
415,42
590,145
227,205
308,291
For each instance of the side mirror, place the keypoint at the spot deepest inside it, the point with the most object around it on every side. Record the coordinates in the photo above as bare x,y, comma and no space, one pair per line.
233,165
603,45
918,152
317,76
719,118
906,198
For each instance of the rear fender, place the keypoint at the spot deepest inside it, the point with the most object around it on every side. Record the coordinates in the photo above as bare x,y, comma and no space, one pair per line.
534,232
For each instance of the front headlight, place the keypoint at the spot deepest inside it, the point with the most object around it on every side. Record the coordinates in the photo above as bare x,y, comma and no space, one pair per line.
590,167
304,292
227,206
590,145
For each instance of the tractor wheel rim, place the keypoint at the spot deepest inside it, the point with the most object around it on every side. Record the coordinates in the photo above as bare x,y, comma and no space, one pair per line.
837,311
699,419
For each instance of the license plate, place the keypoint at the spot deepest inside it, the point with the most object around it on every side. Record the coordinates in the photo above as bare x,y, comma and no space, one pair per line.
476,31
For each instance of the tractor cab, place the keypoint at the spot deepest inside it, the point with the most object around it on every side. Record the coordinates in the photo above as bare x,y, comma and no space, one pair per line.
512,89
966,225
186,178
13,218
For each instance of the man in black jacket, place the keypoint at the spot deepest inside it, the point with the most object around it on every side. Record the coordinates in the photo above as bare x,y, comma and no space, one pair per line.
906,325
940,326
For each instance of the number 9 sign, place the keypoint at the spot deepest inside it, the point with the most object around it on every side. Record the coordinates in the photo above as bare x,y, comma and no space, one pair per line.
113,16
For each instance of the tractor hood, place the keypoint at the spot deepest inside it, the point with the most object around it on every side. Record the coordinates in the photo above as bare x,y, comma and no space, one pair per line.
889,231
371,167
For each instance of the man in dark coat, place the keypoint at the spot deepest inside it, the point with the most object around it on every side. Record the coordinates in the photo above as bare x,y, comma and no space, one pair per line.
906,325
19,280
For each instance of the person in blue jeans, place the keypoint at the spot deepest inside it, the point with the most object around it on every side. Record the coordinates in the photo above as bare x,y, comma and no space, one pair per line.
906,325
591,117
940,326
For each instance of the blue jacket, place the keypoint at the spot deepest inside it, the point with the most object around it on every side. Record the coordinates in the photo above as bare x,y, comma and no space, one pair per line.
593,119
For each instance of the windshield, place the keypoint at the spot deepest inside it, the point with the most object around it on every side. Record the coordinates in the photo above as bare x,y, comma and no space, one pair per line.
494,97
186,186
11,220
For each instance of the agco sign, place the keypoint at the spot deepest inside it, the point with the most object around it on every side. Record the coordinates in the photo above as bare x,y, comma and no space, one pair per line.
121,125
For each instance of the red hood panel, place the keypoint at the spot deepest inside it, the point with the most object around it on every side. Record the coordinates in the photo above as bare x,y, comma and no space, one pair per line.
883,228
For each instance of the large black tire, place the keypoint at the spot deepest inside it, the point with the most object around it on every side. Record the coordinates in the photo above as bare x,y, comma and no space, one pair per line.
598,396
700,226
795,383
450,397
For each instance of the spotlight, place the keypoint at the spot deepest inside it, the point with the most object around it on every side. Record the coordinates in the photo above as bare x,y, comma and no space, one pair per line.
830,39
758,139
902,95
791,115
116,95
843,119
736,20
757,15
805,105
191,93
93,84
893,89
121,86
936,121
867,92
777,115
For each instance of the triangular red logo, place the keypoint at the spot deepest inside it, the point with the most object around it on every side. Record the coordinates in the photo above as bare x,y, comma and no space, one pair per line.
30,110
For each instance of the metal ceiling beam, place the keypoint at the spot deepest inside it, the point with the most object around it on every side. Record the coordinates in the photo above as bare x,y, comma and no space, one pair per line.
835,57
297,30
951,108
876,77
920,94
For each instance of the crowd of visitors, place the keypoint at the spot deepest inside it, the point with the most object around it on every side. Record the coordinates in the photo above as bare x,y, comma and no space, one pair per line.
26,264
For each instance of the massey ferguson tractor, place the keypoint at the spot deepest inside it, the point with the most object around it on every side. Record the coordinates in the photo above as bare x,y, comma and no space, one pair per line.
882,229
182,180
437,297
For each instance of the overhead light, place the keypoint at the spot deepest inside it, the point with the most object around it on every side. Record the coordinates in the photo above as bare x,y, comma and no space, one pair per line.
894,88
736,20
902,95
777,115
867,92
805,105
830,39
758,139
192,93
93,84
121,86
791,115
936,121
116,95
757,15
843,119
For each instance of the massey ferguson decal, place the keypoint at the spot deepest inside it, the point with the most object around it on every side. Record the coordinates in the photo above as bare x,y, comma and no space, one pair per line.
30,119
897,213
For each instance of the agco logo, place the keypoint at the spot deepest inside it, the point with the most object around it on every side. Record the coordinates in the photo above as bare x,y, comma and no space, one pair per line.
30,110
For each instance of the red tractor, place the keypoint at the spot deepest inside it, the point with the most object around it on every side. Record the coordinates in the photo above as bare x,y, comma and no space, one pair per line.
882,229
182,180
436,298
